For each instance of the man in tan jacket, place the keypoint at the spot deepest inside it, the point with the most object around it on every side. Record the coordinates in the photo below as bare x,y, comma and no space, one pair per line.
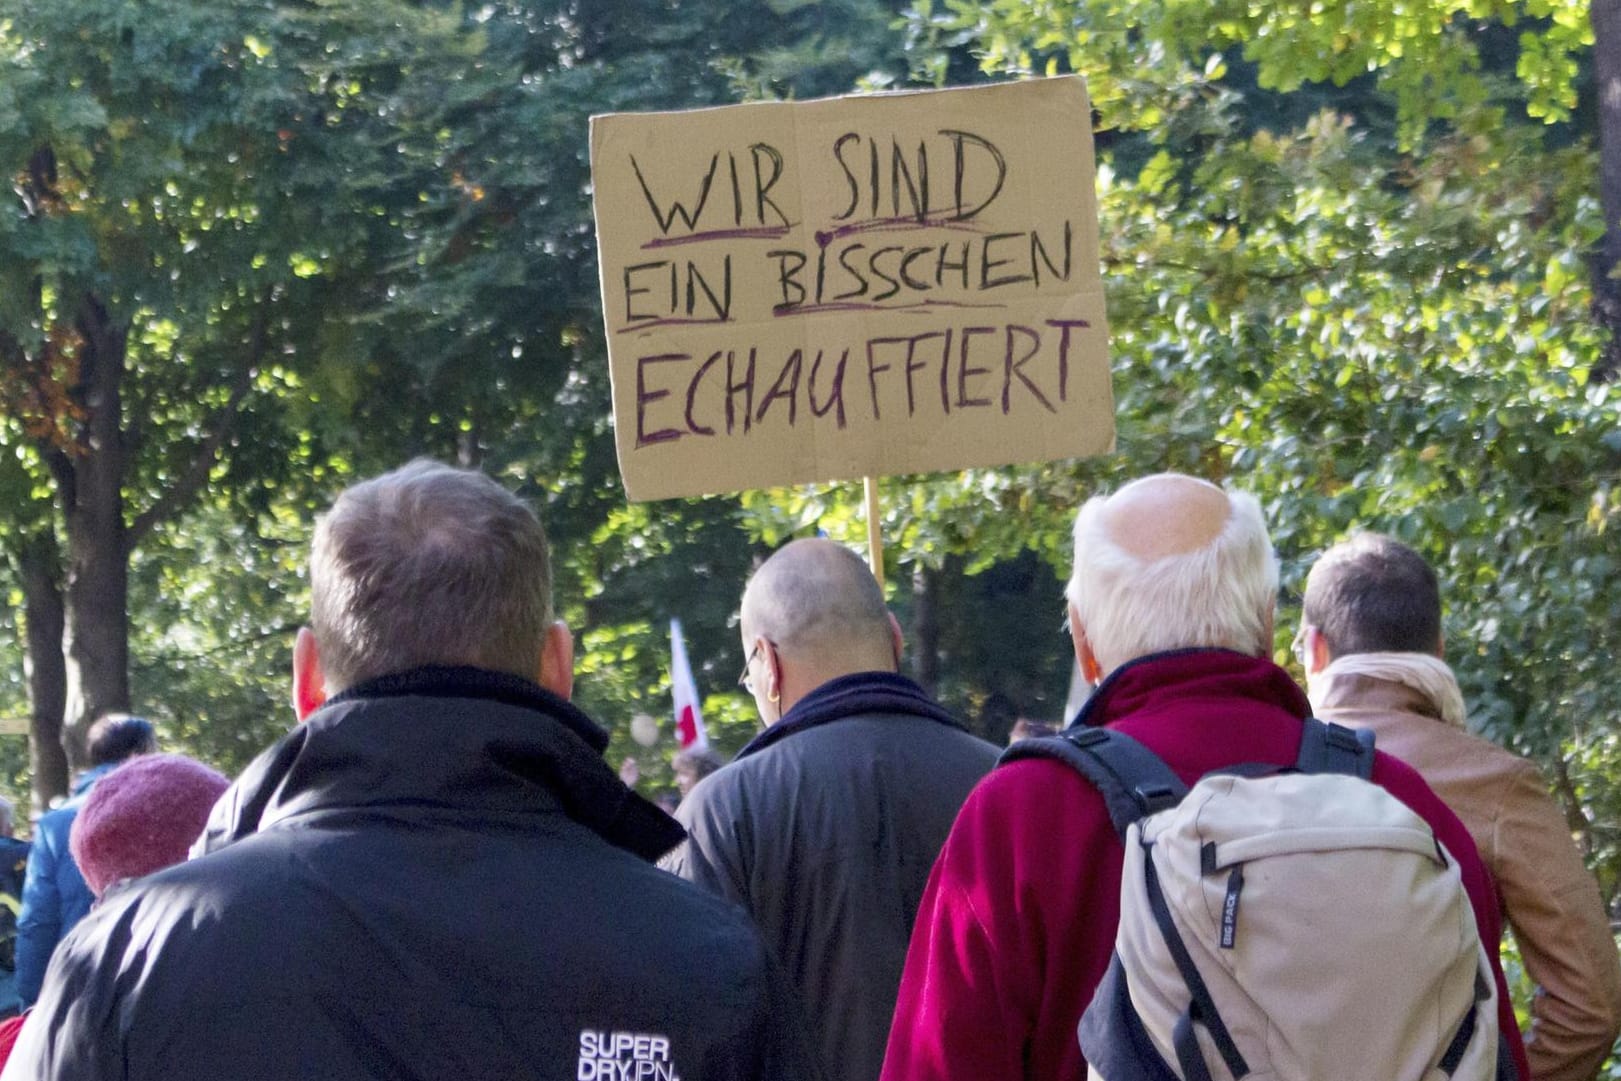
1371,646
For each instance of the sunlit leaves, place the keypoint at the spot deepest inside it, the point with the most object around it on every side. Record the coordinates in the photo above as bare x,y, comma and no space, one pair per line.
1141,56
1370,332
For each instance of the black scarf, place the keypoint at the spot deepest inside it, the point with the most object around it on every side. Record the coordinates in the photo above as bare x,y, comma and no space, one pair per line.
851,696
510,746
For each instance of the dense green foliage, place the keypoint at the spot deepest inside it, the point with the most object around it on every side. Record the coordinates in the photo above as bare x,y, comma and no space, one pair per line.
1368,306
332,236
1345,252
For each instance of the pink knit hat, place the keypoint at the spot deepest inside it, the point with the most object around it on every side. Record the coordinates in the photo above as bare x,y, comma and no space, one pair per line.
142,817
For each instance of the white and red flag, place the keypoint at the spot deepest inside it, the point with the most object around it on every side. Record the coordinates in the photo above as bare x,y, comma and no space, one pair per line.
689,722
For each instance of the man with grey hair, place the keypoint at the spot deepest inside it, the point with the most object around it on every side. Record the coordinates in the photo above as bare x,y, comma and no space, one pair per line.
825,826
1372,647
1171,605
436,875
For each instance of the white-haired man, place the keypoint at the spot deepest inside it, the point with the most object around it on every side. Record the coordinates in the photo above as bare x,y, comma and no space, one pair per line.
826,825
436,875
1171,605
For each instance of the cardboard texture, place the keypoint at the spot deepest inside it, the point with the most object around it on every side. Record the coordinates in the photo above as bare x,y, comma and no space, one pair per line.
857,286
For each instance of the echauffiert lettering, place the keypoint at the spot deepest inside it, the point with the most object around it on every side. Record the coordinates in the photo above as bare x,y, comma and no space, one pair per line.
739,390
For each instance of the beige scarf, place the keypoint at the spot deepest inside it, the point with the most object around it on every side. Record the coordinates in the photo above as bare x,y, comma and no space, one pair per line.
1426,674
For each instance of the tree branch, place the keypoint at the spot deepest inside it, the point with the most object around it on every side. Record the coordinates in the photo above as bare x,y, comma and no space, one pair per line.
1275,277
1605,16
61,465
1571,804
54,457
179,494
166,662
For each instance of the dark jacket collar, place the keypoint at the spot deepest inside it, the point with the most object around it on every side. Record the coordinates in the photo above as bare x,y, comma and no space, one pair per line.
848,696
457,739
1189,673
448,681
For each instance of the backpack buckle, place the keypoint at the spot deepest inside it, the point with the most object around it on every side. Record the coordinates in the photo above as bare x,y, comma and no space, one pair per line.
1340,738
1155,797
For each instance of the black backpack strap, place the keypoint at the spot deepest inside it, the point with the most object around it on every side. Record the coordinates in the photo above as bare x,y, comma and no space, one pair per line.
1507,1070
1133,780
1201,1006
1333,748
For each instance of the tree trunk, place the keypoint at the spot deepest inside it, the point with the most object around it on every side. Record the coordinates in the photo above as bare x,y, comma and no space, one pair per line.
98,553
1606,19
44,666
926,629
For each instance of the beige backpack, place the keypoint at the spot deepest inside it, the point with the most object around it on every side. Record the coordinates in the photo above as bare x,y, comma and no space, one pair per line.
1298,925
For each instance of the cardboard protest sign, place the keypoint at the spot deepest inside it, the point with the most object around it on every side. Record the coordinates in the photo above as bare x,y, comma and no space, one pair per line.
856,286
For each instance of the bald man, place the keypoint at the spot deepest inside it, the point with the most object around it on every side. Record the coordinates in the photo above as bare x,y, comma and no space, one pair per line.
1171,605
826,824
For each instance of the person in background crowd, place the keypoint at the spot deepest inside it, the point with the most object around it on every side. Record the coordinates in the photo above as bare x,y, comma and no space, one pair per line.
55,896
1371,645
1024,728
825,825
141,818
8,819
630,772
998,717
13,867
436,875
1171,604
693,765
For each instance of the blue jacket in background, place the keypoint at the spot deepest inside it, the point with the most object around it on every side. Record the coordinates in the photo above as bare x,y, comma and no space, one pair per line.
55,896
13,866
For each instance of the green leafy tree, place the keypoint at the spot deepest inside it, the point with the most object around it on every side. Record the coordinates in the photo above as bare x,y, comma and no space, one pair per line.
1465,63
259,248
184,177
1374,311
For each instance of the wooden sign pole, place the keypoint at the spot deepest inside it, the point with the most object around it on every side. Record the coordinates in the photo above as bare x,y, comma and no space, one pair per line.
875,538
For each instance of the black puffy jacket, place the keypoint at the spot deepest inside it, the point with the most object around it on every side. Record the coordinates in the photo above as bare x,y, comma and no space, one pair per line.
825,830
435,877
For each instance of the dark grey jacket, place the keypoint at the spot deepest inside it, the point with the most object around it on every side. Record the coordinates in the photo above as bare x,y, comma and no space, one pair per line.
825,829
435,877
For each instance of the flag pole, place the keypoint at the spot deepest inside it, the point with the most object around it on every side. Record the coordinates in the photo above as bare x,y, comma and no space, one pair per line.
875,539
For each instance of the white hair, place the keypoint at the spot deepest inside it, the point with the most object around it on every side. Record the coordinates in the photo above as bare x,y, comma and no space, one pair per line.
1222,595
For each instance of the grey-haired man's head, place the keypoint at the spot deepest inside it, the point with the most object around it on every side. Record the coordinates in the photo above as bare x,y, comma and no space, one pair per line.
428,565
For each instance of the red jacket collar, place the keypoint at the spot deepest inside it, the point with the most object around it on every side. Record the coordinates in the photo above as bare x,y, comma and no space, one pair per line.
1166,681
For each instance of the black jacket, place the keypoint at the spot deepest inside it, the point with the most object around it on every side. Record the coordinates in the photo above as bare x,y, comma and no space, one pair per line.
825,829
435,877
